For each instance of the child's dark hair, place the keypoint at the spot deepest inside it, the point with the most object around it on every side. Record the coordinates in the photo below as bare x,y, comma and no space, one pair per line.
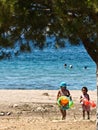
85,88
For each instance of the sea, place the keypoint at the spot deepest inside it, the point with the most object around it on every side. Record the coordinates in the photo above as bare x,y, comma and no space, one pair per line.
45,70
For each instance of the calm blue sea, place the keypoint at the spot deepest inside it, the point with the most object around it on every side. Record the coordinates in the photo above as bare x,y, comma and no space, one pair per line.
45,70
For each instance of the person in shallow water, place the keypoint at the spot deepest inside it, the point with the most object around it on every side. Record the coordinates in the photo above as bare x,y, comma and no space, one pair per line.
71,66
65,65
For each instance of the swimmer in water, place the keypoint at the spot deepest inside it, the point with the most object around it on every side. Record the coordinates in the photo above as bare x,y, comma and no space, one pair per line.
65,65
70,66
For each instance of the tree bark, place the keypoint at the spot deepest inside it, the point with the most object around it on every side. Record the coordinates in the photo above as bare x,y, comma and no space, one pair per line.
91,49
93,53
97,97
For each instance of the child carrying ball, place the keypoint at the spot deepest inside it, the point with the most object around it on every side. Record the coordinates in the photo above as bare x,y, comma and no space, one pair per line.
63,92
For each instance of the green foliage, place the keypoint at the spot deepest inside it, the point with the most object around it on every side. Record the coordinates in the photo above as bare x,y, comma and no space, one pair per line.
36,19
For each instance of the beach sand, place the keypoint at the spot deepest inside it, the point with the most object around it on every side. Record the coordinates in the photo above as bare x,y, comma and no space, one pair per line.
38,110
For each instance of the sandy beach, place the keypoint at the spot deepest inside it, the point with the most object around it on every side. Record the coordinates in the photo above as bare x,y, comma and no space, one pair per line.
38,110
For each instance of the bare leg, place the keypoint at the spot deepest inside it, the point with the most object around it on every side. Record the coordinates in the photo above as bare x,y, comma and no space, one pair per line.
83,114
88,114
63,112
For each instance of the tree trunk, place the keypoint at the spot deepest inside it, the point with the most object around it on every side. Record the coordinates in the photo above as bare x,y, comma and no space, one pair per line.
97,98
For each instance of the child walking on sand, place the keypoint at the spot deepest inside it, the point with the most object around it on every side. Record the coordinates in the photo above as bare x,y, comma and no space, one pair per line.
85,106
63,92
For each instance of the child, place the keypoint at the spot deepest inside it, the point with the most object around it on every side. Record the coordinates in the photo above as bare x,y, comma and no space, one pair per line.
85,108
63,92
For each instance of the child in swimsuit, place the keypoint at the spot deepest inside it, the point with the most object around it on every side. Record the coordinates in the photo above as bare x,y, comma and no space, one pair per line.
63,92
85,108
